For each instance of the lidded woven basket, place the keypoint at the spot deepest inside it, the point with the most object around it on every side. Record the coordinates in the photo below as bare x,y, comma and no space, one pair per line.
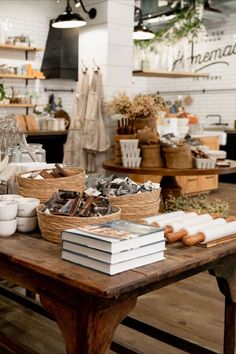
134,207
44,188
51,226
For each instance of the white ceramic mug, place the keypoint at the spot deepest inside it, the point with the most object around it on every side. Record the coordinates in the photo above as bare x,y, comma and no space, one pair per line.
55,125
62,123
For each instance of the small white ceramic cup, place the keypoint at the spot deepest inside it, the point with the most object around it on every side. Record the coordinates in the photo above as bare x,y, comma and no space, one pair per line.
27,207
8,228
27,224
8,210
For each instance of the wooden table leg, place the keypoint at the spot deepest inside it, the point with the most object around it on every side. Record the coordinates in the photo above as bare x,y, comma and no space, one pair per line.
89,325
170,187
226,276
229,327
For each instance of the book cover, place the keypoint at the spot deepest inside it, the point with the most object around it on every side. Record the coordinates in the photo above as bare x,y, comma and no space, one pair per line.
112,269
117,257
114,236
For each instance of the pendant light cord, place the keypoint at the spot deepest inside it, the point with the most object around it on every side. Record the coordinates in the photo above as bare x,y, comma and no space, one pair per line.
68,7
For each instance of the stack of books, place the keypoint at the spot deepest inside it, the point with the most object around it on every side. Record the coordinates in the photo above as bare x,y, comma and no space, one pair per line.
114,246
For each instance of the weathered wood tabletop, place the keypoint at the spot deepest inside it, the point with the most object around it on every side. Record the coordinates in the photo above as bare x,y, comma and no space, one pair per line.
82,300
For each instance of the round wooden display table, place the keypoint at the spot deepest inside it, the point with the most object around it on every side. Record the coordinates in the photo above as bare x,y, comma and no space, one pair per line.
168,180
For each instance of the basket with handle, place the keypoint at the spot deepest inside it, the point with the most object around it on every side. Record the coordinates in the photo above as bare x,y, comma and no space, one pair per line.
136,206
51,225
44,188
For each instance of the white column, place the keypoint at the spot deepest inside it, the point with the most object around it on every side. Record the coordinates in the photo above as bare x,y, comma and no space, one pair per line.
108,40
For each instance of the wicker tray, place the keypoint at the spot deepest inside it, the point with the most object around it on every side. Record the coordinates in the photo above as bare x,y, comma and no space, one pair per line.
136,206
51,226
44,188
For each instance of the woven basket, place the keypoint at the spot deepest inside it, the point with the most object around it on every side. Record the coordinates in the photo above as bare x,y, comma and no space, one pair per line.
179,157
151,156
136,206
44,188
51,226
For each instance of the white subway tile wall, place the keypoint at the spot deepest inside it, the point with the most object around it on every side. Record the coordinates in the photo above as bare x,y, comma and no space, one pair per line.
32,19
221,78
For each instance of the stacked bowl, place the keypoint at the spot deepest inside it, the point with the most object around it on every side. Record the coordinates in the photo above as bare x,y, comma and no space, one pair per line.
17,213
8,221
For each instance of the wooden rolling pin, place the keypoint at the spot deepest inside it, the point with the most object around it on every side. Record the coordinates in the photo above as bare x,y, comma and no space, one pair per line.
210,234
173,227
154,220
193,229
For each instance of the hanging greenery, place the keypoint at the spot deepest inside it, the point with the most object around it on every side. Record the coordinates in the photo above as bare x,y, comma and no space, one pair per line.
186,23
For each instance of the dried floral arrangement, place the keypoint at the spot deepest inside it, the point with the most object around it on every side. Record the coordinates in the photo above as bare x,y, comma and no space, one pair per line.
120,104
199,203
140,106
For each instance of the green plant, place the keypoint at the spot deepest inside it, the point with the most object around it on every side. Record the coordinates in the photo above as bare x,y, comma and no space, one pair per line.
2,92
199,203
186,23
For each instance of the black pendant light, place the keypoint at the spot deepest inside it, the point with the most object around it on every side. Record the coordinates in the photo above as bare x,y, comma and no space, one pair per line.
141,32
70,19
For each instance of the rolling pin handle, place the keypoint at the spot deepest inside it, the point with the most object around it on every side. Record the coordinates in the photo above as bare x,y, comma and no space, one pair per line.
193,239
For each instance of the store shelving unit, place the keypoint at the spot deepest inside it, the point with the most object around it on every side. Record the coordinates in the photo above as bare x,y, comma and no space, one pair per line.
168,74
26,50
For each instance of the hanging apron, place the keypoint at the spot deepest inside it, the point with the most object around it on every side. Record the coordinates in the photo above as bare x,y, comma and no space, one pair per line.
95,136
73,152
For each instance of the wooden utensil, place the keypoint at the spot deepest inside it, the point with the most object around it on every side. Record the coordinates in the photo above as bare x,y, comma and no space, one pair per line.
193,229
179,225
210,234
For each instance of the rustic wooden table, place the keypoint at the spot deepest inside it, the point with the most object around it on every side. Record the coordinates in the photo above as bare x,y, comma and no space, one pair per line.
88,305
168,181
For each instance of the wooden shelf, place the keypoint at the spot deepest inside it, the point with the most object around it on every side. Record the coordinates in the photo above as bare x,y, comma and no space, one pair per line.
168,74
17,105
15,76
46,133
25,48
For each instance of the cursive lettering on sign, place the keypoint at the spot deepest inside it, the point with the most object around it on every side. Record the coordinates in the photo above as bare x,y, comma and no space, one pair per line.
209,58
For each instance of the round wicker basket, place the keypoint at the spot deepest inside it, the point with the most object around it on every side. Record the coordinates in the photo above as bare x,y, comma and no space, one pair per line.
179,157
136,206
151,156
44,188
51,226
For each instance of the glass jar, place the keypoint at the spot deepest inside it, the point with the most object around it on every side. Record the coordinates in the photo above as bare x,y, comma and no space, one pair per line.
16,154
39,151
